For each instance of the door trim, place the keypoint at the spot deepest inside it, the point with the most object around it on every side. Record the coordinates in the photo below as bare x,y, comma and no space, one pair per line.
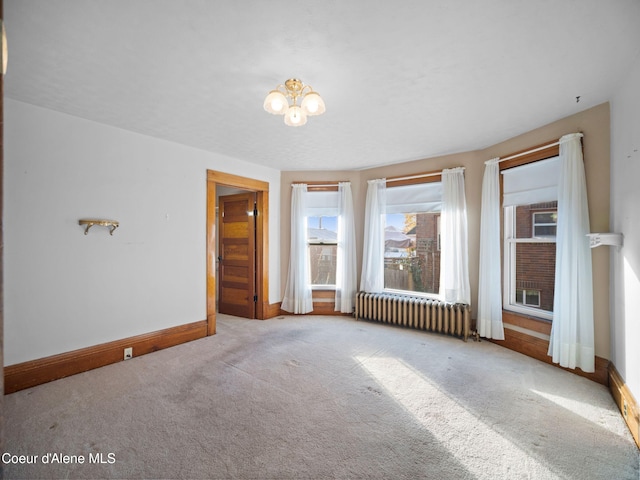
261,188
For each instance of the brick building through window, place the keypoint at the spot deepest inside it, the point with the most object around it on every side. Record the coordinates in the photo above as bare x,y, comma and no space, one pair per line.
416,267
535,262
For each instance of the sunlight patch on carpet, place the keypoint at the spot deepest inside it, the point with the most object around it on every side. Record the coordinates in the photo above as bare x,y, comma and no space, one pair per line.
462,433
592,413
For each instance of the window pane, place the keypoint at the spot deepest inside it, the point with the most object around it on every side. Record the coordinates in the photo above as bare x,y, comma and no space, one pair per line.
533,298
529,215
323,264
412,257
545,217
535,273
322,229
544,231
322,237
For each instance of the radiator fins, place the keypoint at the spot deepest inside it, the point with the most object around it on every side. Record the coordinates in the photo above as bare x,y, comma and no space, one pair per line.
414,312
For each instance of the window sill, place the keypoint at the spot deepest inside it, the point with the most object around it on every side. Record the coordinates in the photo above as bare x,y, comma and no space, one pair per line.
534,324
528,312
408,293
323,287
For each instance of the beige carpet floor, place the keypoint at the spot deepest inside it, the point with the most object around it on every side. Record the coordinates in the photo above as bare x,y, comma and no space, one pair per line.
321,397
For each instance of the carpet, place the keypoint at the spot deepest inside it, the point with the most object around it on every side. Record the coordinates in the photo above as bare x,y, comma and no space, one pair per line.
313,397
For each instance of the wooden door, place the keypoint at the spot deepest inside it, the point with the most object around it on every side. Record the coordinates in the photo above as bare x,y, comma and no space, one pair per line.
237,255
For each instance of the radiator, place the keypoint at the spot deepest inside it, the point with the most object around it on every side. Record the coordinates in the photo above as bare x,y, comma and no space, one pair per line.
414,312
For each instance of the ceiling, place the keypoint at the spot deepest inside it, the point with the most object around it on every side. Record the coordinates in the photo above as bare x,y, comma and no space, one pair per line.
402,80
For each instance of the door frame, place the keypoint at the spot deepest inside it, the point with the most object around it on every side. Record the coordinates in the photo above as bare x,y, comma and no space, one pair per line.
225,204
261,188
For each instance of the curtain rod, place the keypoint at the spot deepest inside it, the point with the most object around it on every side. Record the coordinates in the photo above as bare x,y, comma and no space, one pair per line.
392,179
421,175
533,150
318,184
537,149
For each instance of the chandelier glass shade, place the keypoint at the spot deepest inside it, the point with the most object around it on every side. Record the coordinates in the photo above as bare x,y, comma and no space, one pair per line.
284,101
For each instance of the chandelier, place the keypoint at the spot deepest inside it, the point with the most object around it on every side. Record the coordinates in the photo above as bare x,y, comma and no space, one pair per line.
284,101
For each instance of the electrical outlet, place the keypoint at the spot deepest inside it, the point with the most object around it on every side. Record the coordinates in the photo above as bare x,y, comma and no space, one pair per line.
128,353
625,412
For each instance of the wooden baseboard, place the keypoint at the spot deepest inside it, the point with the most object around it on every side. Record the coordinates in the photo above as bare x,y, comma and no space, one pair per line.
323,304
537,348
43,370
625,401
320,309
272,310
327,309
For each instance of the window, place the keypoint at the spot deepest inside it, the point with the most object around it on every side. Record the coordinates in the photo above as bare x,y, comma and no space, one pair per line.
530,298
322,241
530,225
322,237
545,224
530,262
412,238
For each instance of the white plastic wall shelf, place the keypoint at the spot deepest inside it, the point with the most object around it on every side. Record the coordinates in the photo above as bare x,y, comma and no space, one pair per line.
597,239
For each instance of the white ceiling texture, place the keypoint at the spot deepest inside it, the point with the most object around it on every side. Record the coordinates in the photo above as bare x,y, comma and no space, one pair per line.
402,80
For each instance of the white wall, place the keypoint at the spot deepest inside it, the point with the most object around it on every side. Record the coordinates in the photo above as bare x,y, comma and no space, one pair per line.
65,290
625,218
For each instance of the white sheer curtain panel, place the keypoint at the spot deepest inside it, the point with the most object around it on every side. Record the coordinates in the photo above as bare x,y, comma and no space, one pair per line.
454,255
489,285
297,293
372,279
346,258
572,331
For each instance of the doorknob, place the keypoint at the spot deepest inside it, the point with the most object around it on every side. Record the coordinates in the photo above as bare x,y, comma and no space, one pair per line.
219,258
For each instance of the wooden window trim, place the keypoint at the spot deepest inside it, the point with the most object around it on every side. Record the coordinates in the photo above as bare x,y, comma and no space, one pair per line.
331,186
552,150
548,152
539,325
530,323
425,177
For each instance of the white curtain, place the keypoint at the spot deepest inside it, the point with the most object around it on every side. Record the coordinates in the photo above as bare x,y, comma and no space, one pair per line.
346,258
454,255
572,343
489,285
372,279
297,293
